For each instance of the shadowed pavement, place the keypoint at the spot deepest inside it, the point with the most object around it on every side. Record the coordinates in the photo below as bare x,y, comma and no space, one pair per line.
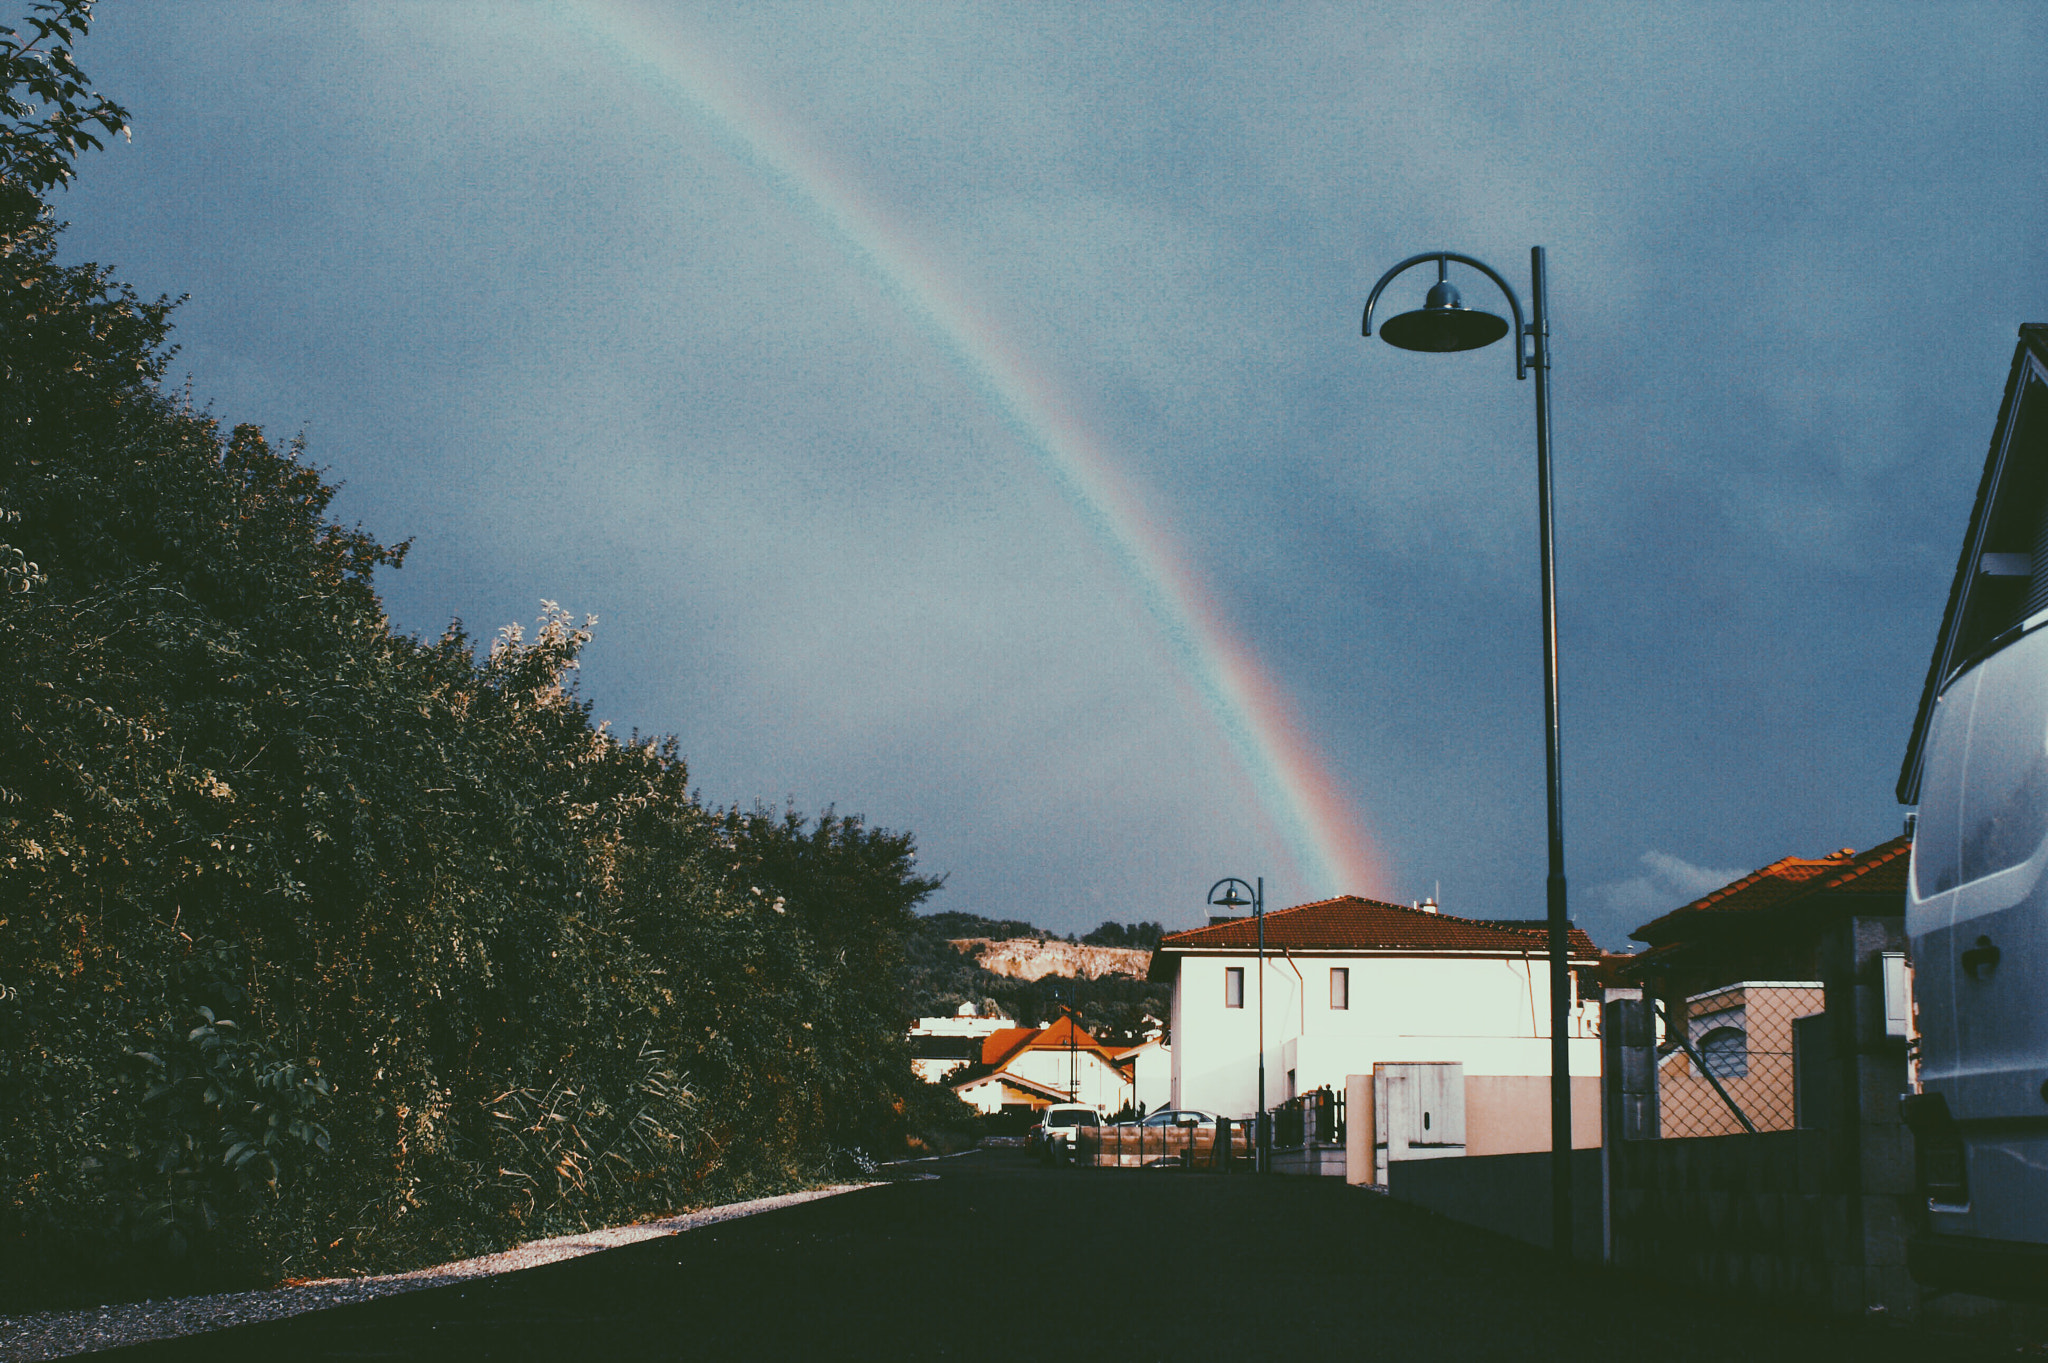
996,1257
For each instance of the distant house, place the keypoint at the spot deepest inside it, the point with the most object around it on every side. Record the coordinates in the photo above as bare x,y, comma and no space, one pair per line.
1010,1093
941,1047
1739,972
1024,1068
1150,1065
1354,983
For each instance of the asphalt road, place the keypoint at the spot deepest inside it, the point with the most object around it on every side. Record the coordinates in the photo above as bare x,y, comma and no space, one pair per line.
997,1258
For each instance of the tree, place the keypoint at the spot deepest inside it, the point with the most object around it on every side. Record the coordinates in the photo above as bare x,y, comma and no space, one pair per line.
40,140
326,945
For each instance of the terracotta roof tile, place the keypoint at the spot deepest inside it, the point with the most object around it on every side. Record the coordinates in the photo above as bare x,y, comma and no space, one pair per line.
1002,1047
1349,923
1881,870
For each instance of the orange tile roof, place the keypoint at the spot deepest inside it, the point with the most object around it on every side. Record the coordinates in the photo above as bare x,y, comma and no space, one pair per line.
1881,870
1789,882
1002,1047
1349,923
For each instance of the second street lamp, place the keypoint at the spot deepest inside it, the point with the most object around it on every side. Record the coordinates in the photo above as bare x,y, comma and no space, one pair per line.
1442,324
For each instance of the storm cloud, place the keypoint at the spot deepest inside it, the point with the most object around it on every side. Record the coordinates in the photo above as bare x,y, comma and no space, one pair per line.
537,316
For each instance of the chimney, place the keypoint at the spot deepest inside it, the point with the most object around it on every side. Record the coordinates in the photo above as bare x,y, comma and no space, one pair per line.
1429,905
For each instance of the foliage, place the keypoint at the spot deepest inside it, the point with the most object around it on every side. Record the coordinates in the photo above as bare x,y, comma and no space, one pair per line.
952,924
38,141
1140,936
326,948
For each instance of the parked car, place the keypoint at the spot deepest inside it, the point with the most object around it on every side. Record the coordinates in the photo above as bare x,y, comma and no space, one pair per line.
1052,1138
1180,1116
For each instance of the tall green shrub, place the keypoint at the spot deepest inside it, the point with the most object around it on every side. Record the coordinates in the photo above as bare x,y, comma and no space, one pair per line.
322,947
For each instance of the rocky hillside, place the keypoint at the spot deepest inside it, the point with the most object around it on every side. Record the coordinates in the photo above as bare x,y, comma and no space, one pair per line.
1007,966
1032,958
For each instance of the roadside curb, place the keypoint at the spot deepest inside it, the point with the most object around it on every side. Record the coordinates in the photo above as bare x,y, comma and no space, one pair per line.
57,1334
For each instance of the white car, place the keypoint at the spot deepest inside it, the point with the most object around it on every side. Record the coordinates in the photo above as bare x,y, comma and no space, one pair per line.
1053,1137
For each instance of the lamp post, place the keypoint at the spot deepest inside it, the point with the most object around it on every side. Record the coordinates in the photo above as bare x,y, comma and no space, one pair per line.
1231,899
1442,324
1073,1055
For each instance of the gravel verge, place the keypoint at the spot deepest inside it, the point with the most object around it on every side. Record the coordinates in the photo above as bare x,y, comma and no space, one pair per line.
56,1334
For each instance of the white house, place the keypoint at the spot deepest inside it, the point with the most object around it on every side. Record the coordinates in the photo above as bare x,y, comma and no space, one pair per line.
941,1047
1350,983
1150,1065
1028,1067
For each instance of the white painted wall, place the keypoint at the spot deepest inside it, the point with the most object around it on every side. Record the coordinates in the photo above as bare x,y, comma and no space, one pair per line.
1153,1076
961,1024
1489,1013
1173,1030
1101,1085
984,1095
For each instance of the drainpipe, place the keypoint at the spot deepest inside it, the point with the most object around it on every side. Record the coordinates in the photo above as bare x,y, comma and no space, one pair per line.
1300,1001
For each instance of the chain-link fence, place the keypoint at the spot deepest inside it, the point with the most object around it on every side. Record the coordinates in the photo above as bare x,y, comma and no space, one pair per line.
1726,1058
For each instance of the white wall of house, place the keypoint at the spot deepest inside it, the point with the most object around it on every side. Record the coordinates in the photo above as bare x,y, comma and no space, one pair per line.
1152,1074
966,1022
1097,1083
983,1095
1489,1013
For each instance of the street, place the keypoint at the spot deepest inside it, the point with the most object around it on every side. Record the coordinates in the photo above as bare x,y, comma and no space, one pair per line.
992,1256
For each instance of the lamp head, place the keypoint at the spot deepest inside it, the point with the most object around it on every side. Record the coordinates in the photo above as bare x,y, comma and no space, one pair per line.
1443,323
1231,899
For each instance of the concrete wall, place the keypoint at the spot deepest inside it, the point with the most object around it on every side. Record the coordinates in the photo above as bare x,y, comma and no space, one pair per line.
1816,1217
1506,1194
1765,1216
1510,1114
1504,1115
1359,1125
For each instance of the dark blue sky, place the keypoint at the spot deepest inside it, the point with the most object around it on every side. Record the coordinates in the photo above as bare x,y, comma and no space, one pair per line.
537,316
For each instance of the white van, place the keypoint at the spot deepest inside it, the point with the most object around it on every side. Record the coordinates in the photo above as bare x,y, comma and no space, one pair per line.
1977,900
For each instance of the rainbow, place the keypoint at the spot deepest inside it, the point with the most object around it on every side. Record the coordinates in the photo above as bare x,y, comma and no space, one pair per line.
1305,809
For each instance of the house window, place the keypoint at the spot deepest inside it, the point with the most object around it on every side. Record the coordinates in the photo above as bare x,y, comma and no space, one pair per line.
1233,986
1726,1053
1340,986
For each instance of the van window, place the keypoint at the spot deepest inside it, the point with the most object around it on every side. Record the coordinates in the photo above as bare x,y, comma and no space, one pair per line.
2005,781
1937,850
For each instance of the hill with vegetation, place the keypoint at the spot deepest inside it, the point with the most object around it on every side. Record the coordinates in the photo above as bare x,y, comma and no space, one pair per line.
1117,1008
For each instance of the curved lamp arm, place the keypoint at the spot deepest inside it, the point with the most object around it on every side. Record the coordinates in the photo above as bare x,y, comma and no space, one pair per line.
1233,880
1514,303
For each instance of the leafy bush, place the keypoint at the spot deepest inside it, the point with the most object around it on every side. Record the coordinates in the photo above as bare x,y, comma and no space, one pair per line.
326,948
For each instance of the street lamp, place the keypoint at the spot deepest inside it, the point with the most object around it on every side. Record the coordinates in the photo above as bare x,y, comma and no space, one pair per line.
1442,324
1231,899
1073,1054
